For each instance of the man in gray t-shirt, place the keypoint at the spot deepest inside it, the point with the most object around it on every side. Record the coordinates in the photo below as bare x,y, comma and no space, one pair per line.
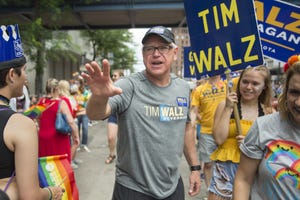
152,107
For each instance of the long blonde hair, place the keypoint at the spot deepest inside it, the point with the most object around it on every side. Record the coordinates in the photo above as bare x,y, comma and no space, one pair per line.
64,88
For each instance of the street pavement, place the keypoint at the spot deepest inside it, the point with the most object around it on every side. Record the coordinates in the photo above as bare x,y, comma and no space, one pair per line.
95,179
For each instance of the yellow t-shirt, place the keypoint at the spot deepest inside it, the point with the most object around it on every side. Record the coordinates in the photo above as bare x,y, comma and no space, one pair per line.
229,150
207,97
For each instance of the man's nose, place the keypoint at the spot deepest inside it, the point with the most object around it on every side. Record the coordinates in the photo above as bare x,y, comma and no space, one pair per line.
156,52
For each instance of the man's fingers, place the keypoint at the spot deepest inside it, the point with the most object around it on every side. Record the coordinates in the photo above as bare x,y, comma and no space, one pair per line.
89,69
194,189
117,91
92,71
95,67
106,68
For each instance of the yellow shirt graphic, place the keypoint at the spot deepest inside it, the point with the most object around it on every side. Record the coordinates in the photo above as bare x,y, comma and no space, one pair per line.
207,97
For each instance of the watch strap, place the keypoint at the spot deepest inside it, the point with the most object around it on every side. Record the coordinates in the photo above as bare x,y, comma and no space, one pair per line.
195,168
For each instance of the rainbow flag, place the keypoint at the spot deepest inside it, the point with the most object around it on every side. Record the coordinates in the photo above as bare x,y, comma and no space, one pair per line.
57,171
35,111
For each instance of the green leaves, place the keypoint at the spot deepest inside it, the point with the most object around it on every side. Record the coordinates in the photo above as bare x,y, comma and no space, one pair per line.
112,44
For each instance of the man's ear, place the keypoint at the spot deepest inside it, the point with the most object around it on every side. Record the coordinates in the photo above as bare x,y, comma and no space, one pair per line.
175,53
10,76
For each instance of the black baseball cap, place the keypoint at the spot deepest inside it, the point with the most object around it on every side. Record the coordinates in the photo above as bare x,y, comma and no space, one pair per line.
161,31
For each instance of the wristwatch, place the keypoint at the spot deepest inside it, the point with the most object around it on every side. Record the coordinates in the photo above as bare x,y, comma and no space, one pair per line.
195,168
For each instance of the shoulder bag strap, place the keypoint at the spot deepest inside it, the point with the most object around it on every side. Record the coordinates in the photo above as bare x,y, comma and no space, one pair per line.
9,181
4,109
58,110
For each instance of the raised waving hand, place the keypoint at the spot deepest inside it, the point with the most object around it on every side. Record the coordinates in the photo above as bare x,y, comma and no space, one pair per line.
99,79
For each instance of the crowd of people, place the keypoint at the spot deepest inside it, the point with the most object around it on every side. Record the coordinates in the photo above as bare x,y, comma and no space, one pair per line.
24,139
248,148
221,135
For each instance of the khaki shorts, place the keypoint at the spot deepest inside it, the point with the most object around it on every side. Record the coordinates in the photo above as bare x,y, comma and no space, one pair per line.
206,146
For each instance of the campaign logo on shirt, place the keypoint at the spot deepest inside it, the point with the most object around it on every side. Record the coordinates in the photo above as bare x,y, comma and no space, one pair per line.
168,113
182,101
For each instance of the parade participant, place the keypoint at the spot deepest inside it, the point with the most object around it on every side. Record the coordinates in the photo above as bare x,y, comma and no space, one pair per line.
253,98
205,100
152,108
82,119
64,94
50,141
18,133
270,151
112,125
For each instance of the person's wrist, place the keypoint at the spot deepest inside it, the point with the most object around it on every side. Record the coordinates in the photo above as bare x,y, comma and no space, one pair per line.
50,193
195,167
228,106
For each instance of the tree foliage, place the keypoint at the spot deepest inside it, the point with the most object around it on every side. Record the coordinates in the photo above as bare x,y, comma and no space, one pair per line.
41,43
111,44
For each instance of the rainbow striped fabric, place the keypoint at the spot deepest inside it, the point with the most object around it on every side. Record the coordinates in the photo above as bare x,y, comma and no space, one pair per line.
57,171
35,111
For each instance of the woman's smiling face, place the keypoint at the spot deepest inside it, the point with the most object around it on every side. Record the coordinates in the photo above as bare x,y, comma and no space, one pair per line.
252,84
293,97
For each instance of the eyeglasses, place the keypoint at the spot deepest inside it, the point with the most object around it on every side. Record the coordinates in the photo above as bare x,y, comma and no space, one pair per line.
151,49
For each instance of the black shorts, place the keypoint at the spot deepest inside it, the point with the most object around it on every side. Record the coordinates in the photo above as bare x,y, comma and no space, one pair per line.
123,193
113,118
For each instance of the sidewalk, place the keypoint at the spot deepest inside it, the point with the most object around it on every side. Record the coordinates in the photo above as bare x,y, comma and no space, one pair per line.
95,179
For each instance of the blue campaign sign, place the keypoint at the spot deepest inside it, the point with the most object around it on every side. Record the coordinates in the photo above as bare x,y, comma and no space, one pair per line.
279,28
223,34
189,64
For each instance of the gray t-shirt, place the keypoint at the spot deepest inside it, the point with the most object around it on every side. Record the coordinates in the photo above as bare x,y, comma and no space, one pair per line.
275,141
151,133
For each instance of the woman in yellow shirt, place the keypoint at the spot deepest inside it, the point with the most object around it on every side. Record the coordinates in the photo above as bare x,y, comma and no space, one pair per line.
253,98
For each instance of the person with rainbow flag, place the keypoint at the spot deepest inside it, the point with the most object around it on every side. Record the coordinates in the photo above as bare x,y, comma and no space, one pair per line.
18,133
